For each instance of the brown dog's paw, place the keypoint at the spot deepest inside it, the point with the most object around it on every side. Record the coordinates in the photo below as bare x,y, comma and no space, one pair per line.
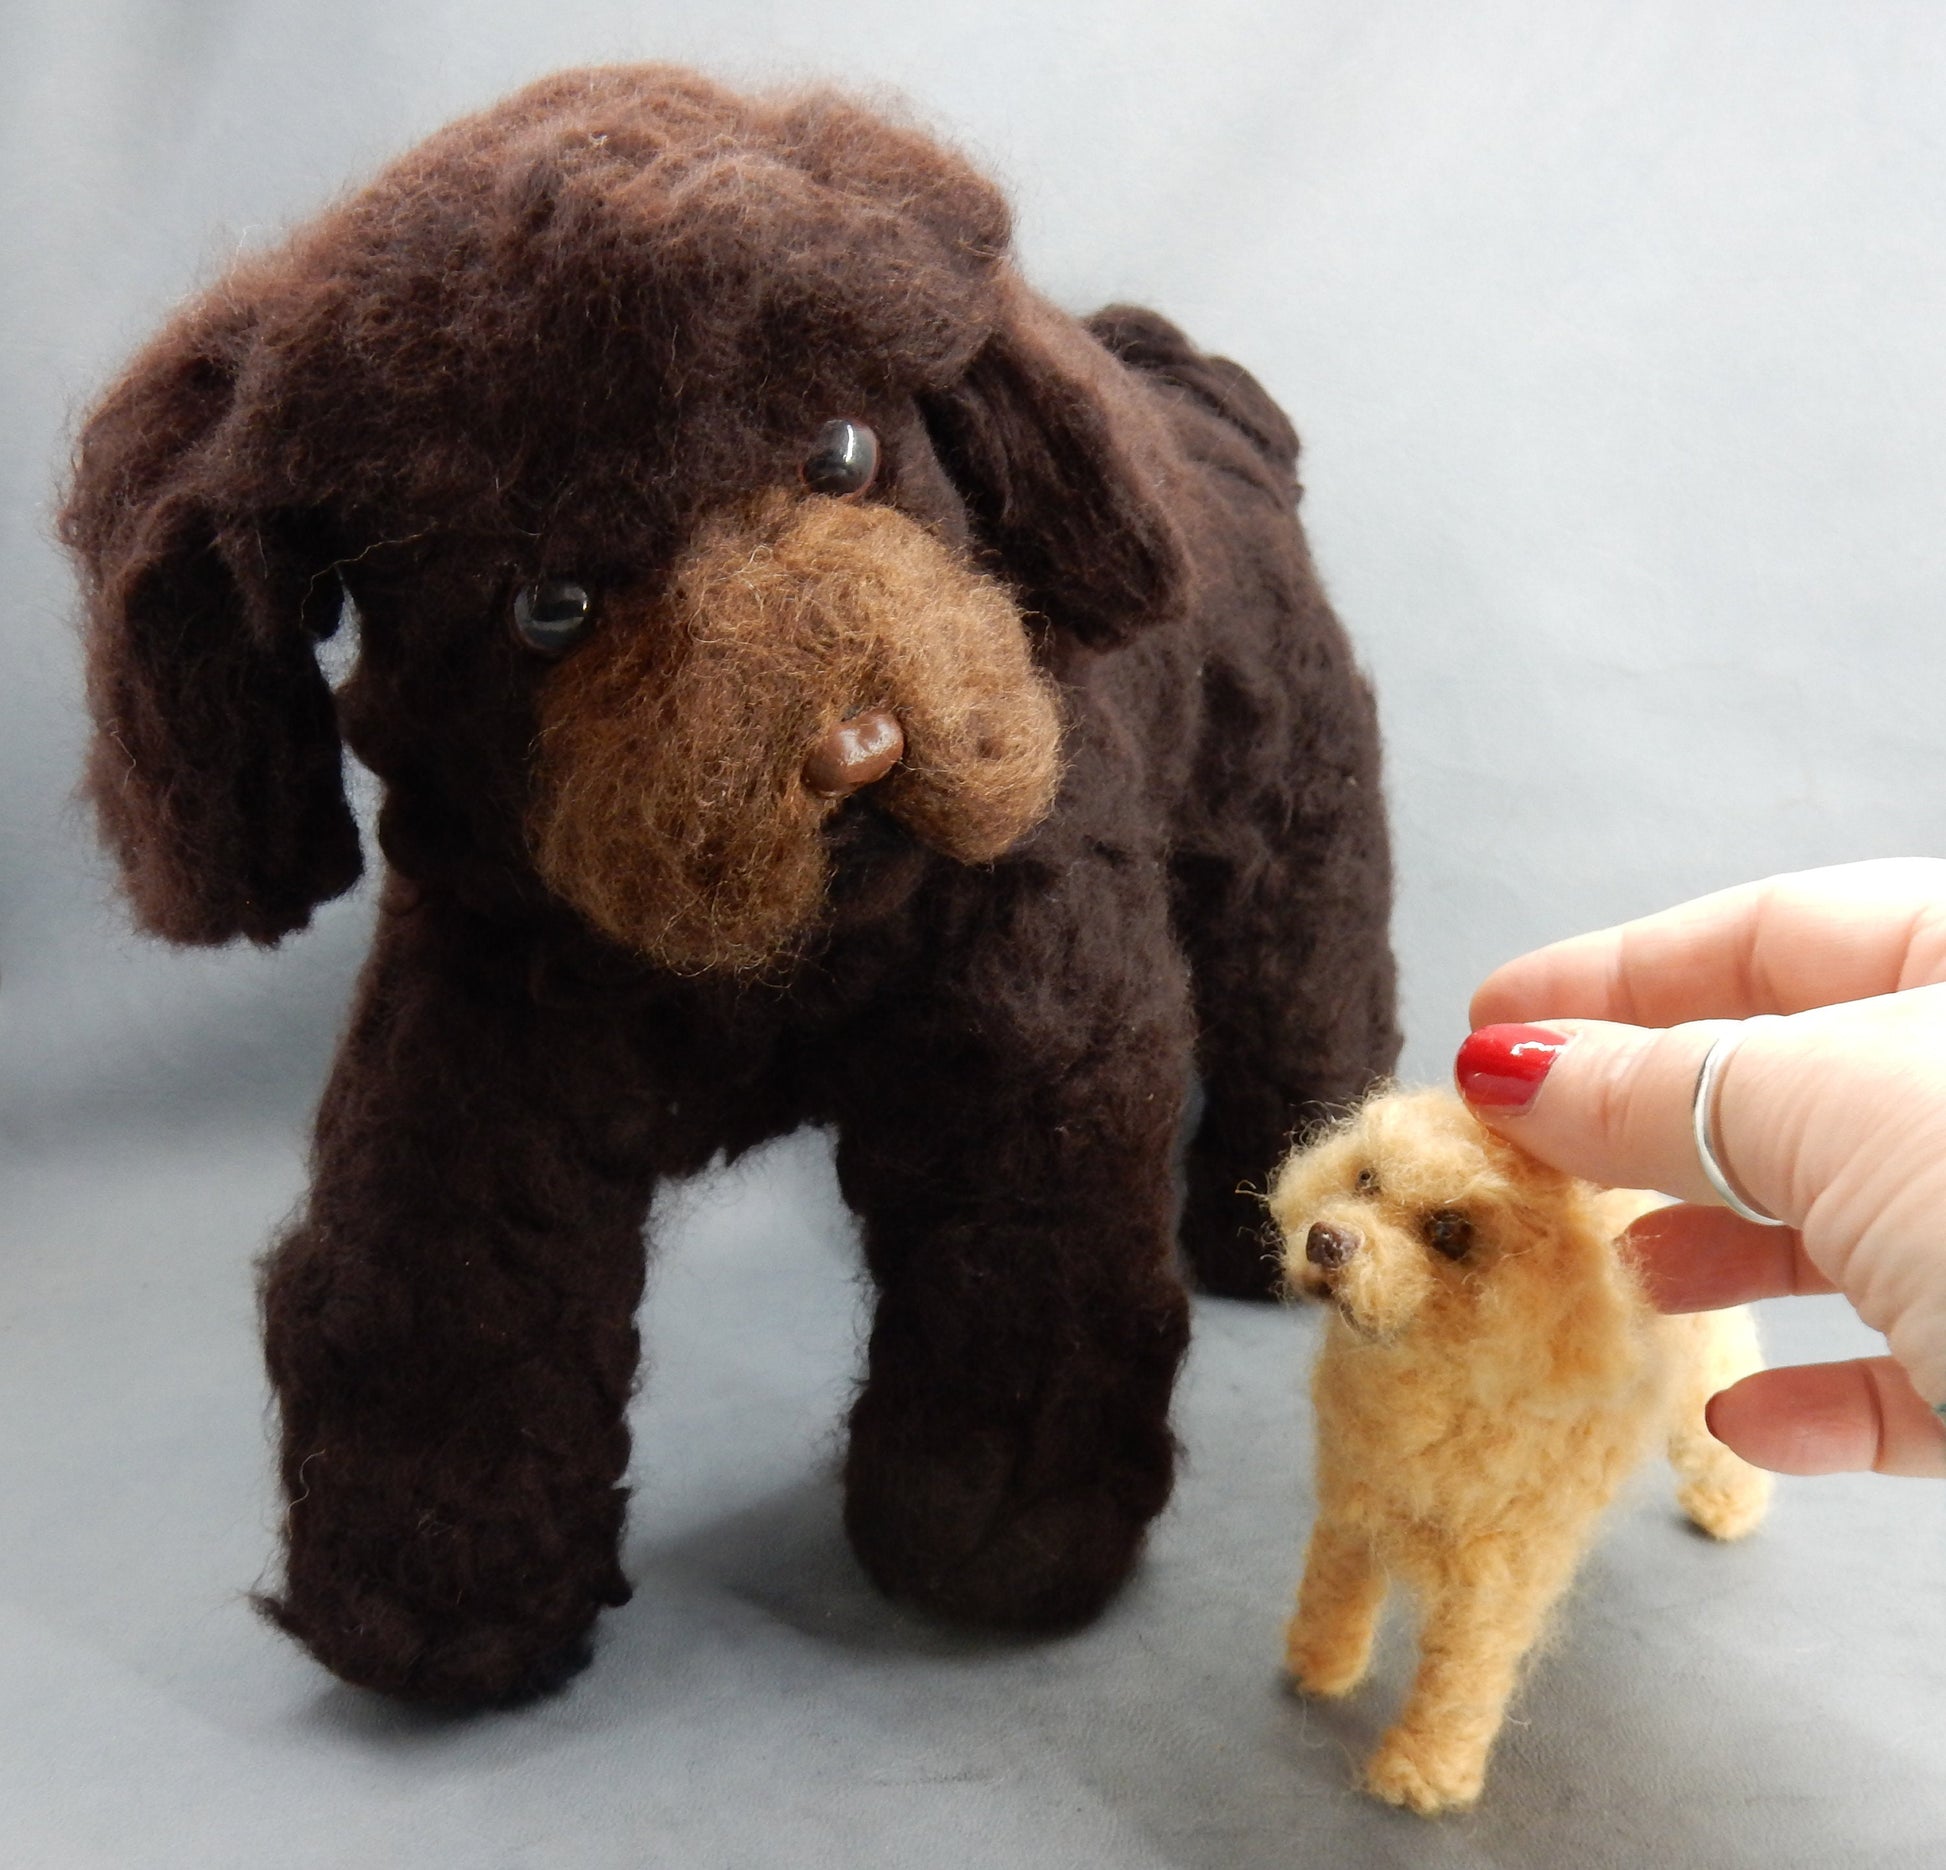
394,1653
973,1538
1409,1771
490,1664
443,1646
1039,1566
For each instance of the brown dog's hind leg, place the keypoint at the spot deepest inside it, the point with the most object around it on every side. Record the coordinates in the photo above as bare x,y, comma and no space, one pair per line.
1011,1443
1280,899
1722,1494
450,1333
1328,1641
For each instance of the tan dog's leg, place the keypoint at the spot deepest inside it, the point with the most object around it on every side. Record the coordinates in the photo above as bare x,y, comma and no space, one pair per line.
1477,1630
1723,1495
1328,1641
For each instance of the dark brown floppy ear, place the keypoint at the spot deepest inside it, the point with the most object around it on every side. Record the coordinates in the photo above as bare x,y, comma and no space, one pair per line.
215,770
1063,457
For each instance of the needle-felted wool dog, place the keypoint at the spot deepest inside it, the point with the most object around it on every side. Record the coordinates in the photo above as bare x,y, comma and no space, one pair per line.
812,680
1490,1375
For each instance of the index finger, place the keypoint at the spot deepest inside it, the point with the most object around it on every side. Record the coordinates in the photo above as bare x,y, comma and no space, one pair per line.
1811,938
1695,1259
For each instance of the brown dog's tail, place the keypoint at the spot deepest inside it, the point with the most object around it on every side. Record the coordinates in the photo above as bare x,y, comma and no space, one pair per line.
1145,340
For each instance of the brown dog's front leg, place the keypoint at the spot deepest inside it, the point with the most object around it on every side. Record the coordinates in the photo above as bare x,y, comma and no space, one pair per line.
450,1330
1012,1441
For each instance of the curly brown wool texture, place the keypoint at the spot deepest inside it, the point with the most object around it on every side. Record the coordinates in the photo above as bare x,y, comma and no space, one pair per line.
590,335
673,808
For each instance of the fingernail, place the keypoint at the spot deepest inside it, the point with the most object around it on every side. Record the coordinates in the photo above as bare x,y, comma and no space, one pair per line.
1501,1067
1709,1413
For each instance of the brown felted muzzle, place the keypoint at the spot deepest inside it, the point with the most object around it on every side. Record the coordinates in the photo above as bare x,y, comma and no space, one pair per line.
672,805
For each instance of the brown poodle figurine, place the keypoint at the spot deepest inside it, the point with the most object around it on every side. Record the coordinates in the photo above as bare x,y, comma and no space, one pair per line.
1490,1375
813,680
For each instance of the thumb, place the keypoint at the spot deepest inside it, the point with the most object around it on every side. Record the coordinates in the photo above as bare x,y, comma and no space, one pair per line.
1614,1103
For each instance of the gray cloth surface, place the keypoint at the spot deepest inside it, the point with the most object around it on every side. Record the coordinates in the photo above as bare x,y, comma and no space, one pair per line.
1613,331
757,1705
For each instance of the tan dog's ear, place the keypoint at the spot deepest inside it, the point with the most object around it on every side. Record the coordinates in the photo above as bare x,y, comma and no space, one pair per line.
215,769
1061,454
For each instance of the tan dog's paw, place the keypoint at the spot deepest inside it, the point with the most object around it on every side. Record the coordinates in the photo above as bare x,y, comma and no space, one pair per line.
1727,1506
1323,1663
1407,1770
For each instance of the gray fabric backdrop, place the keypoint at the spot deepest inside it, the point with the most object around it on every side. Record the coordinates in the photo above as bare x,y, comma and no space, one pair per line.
1613,332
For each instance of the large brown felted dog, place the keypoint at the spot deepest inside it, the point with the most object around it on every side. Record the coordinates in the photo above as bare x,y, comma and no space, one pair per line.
813,680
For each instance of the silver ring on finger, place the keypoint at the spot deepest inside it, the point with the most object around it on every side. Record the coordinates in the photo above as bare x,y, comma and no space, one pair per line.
1702,1122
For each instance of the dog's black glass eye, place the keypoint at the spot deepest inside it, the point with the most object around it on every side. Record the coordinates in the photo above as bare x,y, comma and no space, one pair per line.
1450,1233
1367,1183
552,616
842,461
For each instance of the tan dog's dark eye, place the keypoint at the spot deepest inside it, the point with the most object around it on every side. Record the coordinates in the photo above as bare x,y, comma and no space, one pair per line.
1367,1183
1450,1233
842,461
552,616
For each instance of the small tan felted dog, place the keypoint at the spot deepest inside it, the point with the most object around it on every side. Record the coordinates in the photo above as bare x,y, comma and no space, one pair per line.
1491,1375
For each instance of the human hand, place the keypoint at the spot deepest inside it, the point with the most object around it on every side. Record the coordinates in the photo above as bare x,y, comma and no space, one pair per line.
1832,1119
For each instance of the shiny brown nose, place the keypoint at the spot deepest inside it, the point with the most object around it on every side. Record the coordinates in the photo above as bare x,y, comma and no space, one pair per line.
858,752
1328,1248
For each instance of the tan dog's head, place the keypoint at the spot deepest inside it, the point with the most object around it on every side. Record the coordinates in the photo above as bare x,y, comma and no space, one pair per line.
1411,1217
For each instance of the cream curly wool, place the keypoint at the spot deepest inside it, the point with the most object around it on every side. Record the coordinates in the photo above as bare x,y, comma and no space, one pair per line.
1490,1375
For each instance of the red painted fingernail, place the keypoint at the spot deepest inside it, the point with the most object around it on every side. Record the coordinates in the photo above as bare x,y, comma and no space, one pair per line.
1501,1067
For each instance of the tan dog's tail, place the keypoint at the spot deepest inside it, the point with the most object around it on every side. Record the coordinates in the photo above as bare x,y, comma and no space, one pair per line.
1722,1494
